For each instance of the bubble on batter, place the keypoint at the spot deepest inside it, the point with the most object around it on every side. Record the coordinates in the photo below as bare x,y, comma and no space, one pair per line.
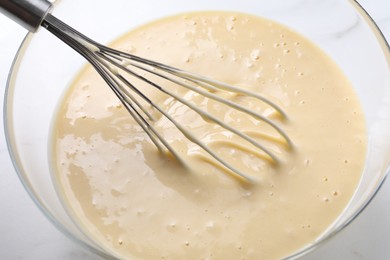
258,75
172,226
255,54
187,227
307,162
141,212
210,225
230,27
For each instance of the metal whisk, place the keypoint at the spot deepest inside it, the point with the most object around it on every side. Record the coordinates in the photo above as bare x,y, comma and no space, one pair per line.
112,64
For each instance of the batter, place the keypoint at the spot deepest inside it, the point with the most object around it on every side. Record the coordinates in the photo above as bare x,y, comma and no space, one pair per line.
138,203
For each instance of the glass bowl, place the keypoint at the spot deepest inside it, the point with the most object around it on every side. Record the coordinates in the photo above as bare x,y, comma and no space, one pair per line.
341,28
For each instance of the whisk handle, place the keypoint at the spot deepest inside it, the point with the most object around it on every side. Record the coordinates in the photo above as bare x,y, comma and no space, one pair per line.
27,13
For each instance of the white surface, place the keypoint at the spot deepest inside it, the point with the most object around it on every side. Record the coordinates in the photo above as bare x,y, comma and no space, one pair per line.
26,234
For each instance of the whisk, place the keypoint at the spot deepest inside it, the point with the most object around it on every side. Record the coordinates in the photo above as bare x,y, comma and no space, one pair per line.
114,66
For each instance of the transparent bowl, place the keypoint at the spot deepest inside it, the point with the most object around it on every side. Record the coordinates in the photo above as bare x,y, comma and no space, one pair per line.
340,27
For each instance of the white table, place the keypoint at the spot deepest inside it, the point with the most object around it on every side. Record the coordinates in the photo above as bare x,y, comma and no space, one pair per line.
26,234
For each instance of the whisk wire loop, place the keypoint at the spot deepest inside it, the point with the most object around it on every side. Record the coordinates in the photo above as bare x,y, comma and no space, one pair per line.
109,63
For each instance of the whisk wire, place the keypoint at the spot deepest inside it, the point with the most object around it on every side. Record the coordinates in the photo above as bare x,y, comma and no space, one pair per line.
58,30
206,83
207,116
108,62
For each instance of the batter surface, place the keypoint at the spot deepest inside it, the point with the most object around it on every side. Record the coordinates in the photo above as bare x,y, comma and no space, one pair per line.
139,204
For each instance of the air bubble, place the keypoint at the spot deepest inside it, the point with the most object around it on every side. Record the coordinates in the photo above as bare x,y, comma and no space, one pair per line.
247,194
210,225
255,55
130,49
85,86
140,212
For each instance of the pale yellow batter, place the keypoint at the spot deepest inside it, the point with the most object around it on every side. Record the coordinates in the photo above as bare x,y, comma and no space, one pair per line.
139,204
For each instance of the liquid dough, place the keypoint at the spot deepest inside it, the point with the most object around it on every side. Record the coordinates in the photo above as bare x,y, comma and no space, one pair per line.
137,203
